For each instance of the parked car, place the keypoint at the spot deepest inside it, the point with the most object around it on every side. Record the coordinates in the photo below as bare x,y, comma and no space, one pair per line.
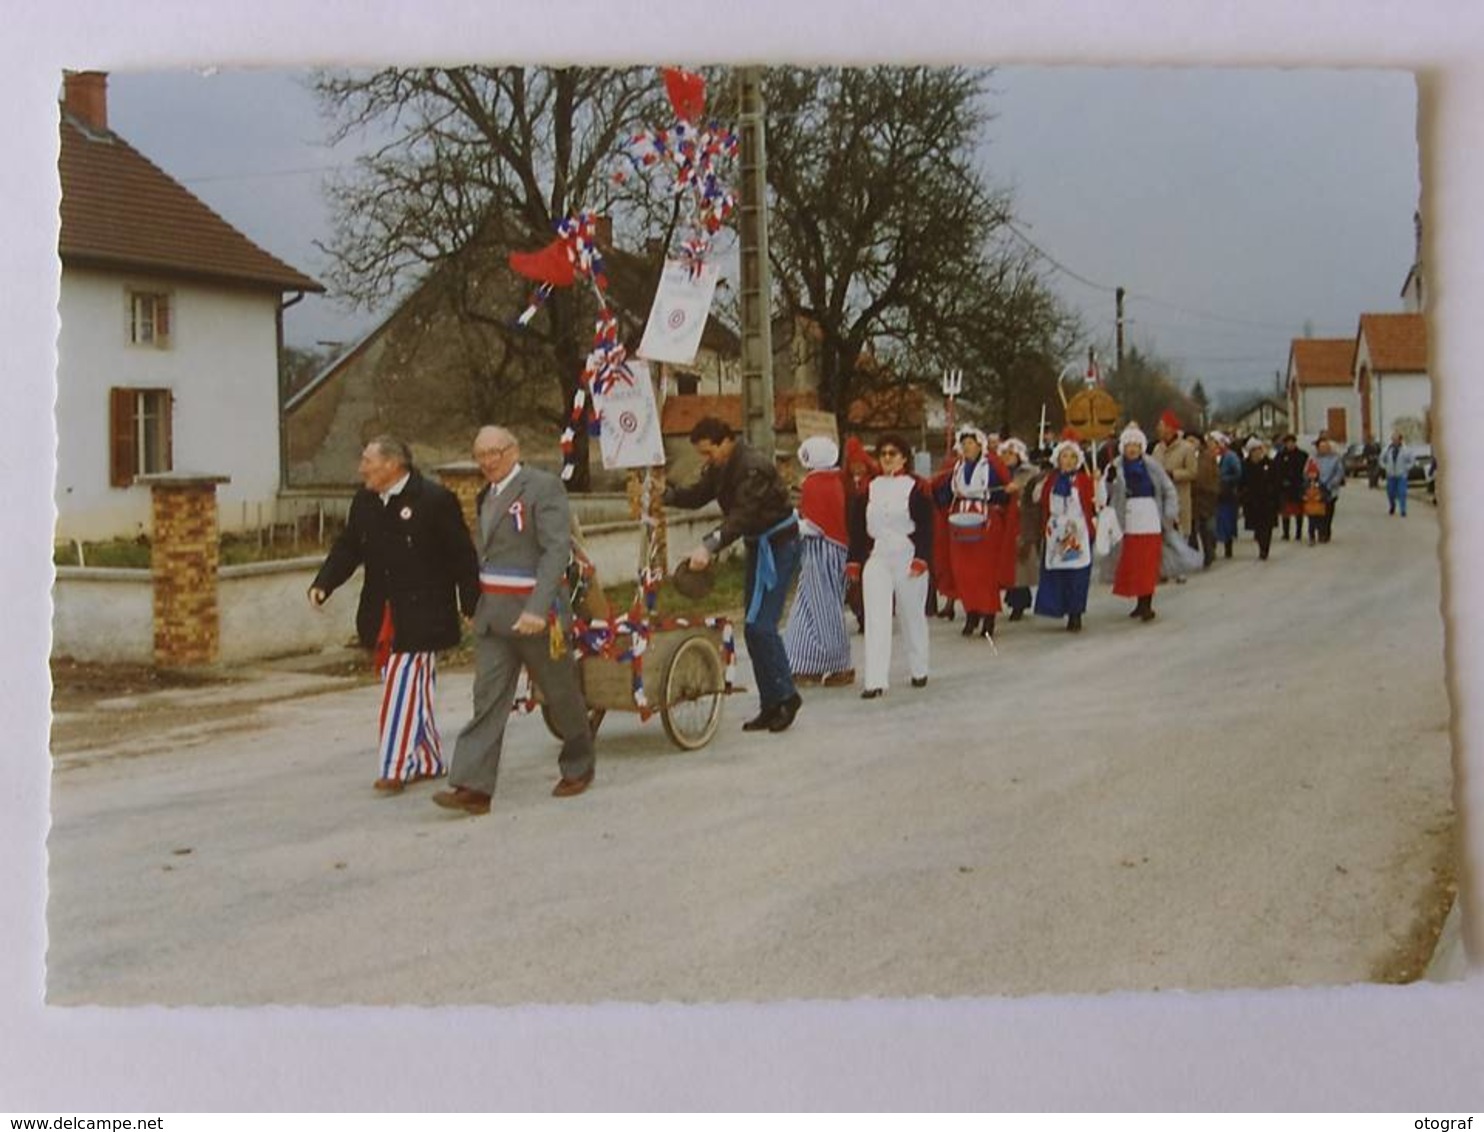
1356,462
1424,466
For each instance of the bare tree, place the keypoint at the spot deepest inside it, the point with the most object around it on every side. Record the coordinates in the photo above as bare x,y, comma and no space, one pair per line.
467,163
879,214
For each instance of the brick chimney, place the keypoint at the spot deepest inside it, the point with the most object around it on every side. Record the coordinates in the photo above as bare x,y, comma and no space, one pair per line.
603,232
85,97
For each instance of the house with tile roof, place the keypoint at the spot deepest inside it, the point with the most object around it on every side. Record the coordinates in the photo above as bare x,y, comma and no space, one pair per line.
171,328
1321,389
1390,376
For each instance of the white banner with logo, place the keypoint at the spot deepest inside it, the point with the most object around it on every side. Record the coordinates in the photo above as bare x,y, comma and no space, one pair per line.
630,433
678,316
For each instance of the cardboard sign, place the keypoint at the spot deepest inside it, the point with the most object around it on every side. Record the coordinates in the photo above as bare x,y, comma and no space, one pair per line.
678,316
813,422
630,432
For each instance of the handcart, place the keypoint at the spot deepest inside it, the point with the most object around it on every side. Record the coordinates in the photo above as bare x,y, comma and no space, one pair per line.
678,667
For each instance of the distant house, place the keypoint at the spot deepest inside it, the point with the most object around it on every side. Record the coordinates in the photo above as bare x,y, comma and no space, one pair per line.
1321,388
1266,416
445,362
172,323
1389,370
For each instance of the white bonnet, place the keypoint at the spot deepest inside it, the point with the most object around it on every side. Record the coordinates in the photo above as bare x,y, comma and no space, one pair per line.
1133,435
819,452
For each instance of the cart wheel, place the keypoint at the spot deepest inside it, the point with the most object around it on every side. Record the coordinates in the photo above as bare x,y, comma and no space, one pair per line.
594,717
692,693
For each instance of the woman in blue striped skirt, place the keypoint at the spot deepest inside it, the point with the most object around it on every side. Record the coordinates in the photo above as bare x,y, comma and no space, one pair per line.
815,639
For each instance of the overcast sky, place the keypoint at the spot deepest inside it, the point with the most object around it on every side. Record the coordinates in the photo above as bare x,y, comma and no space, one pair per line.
1235,206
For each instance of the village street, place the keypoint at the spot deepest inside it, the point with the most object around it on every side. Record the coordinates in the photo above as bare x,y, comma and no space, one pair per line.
1252,791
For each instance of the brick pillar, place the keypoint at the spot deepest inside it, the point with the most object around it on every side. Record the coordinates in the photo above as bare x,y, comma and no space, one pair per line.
464,479
634,488
184,554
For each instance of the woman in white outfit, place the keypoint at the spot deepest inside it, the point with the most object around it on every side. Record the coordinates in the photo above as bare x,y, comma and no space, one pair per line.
891,544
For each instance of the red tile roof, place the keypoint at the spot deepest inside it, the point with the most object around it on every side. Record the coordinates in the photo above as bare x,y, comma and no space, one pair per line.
119,210
1397,342
900,407
681,411
1324,361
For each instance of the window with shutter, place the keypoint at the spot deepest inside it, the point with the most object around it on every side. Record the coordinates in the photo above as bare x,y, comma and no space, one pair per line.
149,319
141,434
123,459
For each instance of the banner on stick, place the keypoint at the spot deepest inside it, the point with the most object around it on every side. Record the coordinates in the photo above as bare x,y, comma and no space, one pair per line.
813,422
630,437
678,317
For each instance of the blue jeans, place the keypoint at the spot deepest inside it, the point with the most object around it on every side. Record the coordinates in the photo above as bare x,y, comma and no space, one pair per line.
1396,493
775,681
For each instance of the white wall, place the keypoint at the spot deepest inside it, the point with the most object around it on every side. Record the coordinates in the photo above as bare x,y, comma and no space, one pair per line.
1398,395
1316,403
108,615
221,365
264,611
103,615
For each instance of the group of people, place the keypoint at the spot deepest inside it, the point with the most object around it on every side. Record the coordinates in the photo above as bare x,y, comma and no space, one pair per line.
422,569
997,530
992,526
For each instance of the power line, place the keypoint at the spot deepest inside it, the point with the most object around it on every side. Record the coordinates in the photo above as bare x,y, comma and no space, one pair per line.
1051,259
1156,300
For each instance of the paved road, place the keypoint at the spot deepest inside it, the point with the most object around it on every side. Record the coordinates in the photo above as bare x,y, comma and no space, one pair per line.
1252,791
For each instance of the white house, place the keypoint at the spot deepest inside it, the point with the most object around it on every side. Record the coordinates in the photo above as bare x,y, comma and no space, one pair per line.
1321,388
1390,376
168,358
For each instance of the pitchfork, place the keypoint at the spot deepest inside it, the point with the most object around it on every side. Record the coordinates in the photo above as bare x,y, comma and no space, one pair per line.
953,385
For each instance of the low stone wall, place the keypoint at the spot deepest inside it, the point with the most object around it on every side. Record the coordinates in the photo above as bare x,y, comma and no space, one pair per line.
103,615
108,615
265,611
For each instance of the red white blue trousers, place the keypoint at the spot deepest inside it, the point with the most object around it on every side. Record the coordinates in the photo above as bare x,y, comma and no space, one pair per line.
409,746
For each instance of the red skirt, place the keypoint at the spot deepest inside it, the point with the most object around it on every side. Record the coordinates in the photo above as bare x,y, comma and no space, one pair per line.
976,556
1138,565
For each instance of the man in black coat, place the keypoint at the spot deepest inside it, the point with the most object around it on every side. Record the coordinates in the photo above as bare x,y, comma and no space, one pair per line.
420,570
755,507
1290,461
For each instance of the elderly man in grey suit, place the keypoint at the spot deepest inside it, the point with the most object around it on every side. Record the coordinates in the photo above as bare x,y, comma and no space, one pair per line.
524,540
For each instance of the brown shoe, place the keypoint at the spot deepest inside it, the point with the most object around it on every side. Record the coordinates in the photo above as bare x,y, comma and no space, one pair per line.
462,798
569,787
419,776
841,679
389,785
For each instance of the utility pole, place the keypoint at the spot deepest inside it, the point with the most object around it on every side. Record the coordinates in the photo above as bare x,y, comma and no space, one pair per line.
757,274
1118,302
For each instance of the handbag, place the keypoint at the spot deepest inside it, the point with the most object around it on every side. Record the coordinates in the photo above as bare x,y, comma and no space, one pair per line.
1314,501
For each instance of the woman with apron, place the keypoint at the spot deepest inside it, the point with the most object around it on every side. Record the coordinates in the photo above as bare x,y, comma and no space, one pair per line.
976,499
1067,511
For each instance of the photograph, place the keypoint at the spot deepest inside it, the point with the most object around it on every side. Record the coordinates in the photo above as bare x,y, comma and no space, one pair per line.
1245,782
937,542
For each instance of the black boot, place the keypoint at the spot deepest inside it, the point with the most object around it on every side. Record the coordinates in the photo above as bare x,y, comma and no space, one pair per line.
1228,546
1017,615
763,720
971,623
783,716
1146,608
986,627
1074,623
946,613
